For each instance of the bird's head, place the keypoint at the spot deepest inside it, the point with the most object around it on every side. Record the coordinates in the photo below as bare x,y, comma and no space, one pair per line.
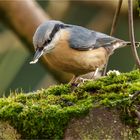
46,37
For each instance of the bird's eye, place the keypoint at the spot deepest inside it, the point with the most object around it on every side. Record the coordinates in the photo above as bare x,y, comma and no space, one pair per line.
47,42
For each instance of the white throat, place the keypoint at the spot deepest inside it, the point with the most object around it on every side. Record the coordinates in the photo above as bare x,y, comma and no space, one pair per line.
52,44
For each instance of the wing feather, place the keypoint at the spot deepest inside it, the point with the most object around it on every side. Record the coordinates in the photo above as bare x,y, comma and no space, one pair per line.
84,39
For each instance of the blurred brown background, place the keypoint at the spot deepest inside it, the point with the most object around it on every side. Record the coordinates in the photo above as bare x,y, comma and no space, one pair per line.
18,21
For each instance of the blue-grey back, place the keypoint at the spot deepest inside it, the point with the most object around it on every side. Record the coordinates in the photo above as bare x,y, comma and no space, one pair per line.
85,39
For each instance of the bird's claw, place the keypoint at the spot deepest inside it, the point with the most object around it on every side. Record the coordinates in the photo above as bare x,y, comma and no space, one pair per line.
83,80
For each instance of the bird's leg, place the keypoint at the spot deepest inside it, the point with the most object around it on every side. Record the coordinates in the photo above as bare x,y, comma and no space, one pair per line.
74,79
83,79
95,73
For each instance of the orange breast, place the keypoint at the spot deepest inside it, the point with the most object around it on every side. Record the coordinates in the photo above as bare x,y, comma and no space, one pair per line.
73,61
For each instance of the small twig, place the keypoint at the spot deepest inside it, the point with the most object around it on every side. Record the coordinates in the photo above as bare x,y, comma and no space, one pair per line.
131,32
116,16
133,97
113,27
137,114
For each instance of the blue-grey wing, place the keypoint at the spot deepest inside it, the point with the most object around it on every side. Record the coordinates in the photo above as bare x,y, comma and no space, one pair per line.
84,39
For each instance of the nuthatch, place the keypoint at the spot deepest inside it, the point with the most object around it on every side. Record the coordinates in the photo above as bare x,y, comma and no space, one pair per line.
73,49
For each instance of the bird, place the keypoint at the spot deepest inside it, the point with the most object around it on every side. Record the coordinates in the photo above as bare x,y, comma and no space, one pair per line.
73,49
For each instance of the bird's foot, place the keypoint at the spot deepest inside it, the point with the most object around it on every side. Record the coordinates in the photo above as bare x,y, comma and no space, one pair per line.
83,80
77,81
73,81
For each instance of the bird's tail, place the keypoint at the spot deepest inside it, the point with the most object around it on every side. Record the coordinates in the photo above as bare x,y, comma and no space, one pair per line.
118,44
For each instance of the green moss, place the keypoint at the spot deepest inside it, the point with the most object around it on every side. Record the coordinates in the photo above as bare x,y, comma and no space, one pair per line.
46,113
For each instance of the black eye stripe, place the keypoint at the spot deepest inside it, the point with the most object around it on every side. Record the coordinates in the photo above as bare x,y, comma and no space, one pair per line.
56,28
47,42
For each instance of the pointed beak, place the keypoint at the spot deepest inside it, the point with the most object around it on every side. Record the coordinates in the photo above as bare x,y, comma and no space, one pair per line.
37,55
